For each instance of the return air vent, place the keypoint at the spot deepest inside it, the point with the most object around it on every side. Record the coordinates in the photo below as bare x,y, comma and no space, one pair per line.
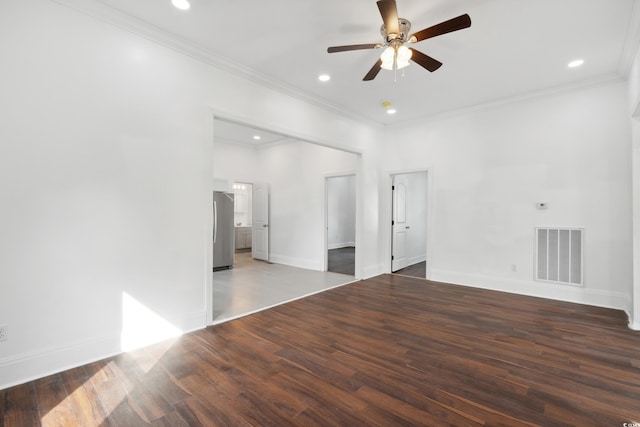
559,255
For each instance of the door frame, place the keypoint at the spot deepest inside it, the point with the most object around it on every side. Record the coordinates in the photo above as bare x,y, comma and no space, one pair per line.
388,216
327,177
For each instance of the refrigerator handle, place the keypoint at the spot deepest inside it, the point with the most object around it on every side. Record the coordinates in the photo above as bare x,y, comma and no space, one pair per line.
215,221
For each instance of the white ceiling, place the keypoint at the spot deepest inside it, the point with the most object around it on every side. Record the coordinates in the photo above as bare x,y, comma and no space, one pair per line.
514,48
235,133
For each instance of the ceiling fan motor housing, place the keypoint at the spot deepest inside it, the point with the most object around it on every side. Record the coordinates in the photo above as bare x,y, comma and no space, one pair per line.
405,27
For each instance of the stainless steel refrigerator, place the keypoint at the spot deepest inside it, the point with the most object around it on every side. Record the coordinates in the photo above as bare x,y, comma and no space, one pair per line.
223,231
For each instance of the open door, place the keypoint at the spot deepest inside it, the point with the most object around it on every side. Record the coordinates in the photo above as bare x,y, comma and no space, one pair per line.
399,224
260,231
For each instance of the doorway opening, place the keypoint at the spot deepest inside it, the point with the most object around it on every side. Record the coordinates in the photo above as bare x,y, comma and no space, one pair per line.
409,223
291,232
340,224
242,215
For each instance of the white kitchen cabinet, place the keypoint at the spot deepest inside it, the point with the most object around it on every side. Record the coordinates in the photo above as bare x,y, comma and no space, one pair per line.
243,237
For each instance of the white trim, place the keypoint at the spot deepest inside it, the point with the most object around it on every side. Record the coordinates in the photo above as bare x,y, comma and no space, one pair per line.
287,132
416,259
21,368
327,247
516,99
308,264
223,114
632,41
238,316
342,245
374,270
138,27
599,298
209,144
40,363
386,199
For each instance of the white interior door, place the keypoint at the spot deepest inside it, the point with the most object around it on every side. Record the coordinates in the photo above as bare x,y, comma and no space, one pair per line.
399,224
260,230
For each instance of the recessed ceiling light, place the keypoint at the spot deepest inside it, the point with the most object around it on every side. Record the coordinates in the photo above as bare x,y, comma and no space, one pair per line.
181,4
256,137
576,63
324,77
391,111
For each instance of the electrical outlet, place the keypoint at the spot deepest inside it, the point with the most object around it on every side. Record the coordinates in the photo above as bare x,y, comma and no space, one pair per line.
3,332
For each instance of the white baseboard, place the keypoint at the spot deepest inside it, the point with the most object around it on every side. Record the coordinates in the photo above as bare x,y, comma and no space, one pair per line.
416,259
40,363
341,245
533,288
372,271
634,325
308,264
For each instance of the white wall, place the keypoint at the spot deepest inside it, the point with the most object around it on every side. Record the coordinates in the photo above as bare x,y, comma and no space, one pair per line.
491,166
634,109
295,172
106,166
235,163
341,211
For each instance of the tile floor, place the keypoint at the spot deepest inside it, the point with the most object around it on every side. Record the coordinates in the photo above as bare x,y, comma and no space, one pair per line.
342,260
253,285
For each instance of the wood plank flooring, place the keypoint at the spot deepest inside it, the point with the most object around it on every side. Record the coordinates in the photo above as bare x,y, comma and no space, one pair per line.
415,270
386,351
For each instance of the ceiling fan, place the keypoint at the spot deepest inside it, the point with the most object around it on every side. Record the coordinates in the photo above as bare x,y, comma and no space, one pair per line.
395,32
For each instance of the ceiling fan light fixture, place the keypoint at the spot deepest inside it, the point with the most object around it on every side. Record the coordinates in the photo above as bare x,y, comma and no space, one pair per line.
395,33
388,57
395,58
404,55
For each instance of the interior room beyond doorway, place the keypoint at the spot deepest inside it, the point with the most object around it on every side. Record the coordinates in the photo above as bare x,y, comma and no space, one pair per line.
294,172
409,211
341,223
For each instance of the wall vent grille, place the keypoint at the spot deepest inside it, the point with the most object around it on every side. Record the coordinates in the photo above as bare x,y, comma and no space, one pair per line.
559,255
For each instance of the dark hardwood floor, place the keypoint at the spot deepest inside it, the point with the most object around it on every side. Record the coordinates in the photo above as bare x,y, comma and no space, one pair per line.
416,270
390,350
342,260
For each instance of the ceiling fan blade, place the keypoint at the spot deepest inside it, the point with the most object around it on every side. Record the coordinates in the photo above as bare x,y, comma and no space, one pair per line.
373,72
335,49
425,61
389,12
454,24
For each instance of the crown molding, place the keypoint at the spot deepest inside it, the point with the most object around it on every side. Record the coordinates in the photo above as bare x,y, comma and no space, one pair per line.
632,41
98,10
486,106
255,146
